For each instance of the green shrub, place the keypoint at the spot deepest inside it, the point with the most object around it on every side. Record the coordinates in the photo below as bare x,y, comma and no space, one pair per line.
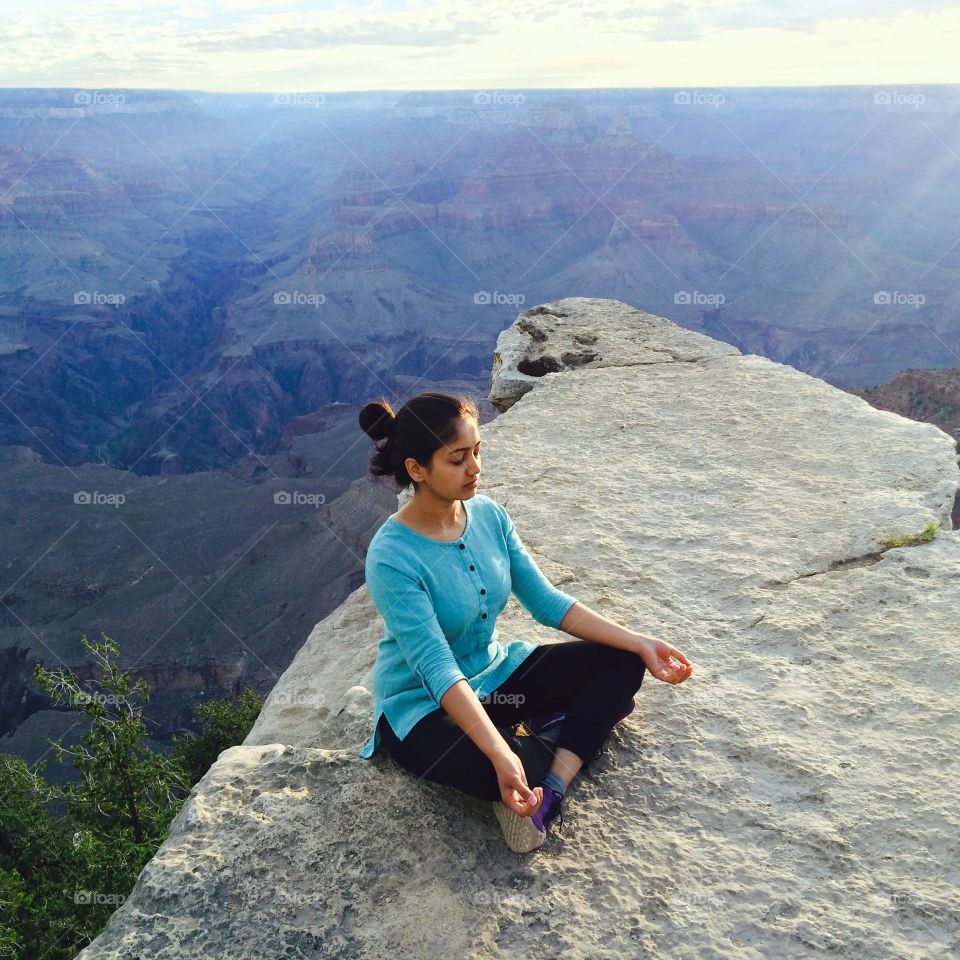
62,876
228,725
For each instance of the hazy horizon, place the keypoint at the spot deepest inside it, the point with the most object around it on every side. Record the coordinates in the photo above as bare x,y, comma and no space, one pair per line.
474,89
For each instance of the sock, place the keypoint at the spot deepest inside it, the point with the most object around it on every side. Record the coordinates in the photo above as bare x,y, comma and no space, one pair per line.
554,782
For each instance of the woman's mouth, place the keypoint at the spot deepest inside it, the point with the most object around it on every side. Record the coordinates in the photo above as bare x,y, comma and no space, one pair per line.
472,483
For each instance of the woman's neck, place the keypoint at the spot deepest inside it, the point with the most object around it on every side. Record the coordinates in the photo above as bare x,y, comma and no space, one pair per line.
432,512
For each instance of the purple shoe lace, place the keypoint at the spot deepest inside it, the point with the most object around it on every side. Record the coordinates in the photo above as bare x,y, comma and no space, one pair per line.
550,807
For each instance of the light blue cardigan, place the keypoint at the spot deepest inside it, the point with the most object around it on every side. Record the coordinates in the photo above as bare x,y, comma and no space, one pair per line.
439,602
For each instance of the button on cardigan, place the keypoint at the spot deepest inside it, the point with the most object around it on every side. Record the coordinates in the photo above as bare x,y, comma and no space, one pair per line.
440,601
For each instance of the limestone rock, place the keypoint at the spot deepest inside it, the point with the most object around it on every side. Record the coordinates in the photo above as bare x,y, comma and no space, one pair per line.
565,335
795,796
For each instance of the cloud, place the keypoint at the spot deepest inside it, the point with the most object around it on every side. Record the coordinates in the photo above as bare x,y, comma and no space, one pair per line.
369,33
437,44
684,21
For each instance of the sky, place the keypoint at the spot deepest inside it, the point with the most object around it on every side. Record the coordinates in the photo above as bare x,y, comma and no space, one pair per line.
244,45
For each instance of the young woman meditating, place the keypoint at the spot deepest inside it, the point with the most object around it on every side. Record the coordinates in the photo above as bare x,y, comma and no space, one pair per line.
440,570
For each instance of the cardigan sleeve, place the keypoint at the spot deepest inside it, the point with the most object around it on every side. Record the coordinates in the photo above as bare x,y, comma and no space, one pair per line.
410,619
542,600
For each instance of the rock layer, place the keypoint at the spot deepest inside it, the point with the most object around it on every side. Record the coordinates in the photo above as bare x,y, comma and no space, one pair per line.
794,796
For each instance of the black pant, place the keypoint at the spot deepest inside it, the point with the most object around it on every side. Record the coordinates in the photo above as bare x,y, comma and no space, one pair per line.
592,683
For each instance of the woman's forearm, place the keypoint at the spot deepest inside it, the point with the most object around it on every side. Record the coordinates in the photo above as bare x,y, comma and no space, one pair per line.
586,624
467,712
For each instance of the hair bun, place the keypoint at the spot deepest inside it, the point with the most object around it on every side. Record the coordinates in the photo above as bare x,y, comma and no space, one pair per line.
376,419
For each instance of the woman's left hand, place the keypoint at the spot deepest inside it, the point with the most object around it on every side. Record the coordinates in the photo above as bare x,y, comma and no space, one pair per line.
660,659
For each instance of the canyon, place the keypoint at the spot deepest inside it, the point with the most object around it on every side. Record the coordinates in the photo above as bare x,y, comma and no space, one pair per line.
198,291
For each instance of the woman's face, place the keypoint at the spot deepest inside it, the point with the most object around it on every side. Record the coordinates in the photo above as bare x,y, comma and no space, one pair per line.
454,465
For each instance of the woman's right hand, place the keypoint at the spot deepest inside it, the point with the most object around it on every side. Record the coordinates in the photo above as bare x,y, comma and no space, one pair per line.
514,791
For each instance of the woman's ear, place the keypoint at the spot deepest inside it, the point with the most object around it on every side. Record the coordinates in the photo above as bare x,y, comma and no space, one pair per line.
414,470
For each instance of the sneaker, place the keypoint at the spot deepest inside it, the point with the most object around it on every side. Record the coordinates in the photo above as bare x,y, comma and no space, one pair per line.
522,834
549,809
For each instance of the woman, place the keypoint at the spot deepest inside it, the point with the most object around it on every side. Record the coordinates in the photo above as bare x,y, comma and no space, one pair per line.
440,570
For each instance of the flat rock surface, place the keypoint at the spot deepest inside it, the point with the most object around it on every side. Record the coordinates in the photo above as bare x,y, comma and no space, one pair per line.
796,797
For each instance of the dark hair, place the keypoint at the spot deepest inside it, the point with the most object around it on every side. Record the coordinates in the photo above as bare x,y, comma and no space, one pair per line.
424,424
